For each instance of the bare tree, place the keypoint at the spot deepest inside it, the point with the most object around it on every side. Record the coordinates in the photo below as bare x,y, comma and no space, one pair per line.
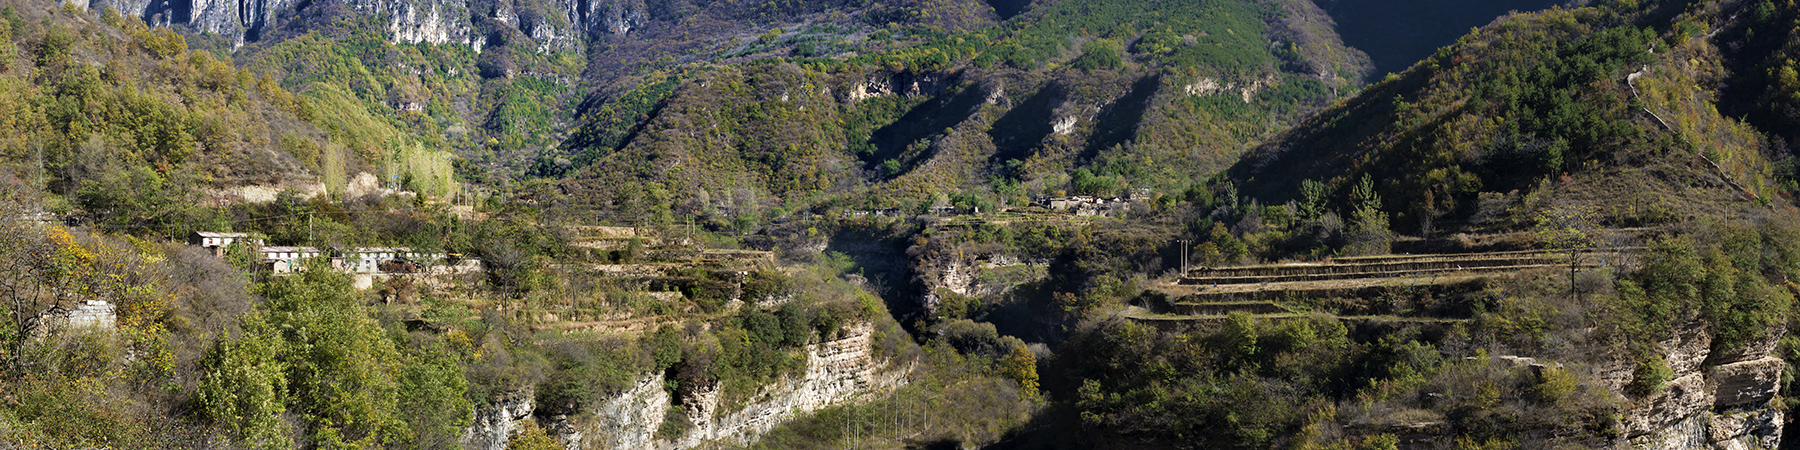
1568,230
27,263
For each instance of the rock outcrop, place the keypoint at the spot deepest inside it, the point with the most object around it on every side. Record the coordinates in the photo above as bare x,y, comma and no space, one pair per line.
980,275
837,370
495,423
560,25
1716,399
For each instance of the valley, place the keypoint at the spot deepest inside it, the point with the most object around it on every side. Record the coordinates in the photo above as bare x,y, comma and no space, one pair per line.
898,224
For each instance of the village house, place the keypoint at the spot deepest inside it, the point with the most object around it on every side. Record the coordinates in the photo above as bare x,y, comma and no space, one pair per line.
370,259
1083,205
280,259
890,212
358,260
217,241
1067,203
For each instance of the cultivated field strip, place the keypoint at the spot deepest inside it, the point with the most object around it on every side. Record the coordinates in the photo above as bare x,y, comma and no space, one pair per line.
1398,266
1224,308
1208,294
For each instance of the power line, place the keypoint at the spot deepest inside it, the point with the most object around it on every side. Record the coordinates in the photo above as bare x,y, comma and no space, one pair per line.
190,224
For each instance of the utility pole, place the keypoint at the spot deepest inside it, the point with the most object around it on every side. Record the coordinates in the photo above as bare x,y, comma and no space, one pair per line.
1184,255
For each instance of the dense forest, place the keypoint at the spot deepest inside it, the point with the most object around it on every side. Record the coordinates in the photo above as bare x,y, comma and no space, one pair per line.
893,224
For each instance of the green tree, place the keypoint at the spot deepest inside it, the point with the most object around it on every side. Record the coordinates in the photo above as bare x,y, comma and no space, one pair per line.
1312,200
1239,338
1084,181
1101,54
1369,233
339,371
1227,248
243,385
433,394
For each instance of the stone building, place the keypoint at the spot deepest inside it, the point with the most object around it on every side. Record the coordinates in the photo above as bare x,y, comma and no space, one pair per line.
281,259
217,241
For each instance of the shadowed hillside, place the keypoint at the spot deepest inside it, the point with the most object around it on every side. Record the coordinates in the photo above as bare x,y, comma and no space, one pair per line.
1398,33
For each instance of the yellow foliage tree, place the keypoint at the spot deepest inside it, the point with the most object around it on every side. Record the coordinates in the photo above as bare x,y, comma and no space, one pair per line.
533,437
1021,366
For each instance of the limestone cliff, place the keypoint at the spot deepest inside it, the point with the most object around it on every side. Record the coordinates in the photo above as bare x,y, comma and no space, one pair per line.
837,370
1716,399
495,423
558,25
983,276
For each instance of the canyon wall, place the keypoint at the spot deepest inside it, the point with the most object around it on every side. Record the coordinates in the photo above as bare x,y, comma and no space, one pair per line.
559,26
838,370
1716,399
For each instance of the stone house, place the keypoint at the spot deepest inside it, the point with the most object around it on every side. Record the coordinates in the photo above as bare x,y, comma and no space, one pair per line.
370,259
82,315
280,259
217,241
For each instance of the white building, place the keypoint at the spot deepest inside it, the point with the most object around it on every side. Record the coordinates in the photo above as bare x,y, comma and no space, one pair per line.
217,241
281,259
369,259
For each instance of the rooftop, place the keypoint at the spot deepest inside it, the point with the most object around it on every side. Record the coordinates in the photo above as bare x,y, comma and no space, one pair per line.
218,234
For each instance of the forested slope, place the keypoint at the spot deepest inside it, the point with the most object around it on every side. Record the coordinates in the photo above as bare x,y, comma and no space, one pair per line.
124,125
1595,130
1615,107
701,222
1141,97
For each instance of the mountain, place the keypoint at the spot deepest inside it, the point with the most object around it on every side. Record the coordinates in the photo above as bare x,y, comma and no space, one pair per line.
1617,108
1141,98
1397,34
900,224
459,74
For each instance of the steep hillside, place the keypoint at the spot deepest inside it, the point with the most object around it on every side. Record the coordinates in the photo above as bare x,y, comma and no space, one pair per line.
1588,138
497,81
1139,97
1397,34
1761,85
1609,107
126,127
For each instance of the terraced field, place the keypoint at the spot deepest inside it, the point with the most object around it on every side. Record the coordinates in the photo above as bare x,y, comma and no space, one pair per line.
1389,287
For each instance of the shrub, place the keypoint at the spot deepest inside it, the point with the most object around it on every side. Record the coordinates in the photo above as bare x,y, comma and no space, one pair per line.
1552,384
764,285
533,437
1101,54
1650,377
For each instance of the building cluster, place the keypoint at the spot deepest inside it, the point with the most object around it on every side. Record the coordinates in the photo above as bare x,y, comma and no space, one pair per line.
889,212
1083,205
941,211
359,260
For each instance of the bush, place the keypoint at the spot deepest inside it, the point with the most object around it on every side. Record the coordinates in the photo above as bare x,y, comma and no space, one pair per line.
765,285
1650,377
532,437
1552,384
1101,54
582,373
978,338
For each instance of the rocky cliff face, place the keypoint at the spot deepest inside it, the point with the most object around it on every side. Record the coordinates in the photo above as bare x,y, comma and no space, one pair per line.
495,424
1714,400
837,370
558,25
973,275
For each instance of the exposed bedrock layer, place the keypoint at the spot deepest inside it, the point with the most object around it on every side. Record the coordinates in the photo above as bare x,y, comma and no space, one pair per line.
837,370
